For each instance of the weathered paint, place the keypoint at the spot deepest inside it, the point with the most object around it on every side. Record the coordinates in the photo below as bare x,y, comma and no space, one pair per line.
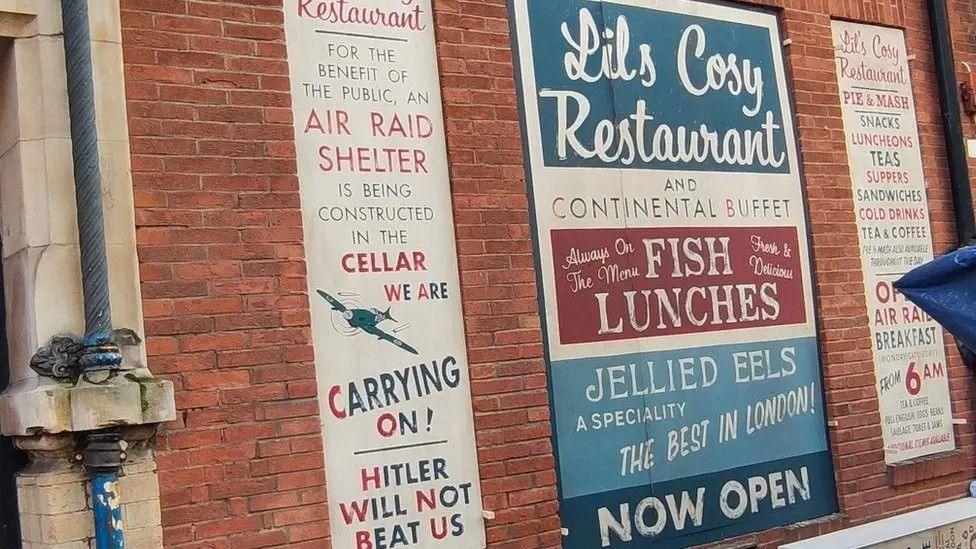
107,509
671,234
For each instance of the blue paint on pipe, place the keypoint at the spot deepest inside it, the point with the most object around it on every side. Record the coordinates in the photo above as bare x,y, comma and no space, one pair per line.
107,509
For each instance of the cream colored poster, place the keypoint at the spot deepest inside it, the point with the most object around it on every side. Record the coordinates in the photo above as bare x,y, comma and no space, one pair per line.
895,236
401,460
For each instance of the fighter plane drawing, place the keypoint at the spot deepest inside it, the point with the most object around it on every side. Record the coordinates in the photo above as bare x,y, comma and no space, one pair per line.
367,320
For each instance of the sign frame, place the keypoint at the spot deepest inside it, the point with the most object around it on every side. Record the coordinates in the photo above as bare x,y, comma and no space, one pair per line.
918,183
396,405
542,294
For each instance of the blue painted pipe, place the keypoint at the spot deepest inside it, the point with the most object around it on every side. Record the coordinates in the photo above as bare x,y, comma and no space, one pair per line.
104,454
107,508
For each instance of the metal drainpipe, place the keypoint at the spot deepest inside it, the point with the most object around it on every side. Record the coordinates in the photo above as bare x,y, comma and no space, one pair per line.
962,197
103,454
945,64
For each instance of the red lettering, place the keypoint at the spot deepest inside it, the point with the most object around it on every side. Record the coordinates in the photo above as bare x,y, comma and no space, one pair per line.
420,160
418,126
313,123
372,160
428,500
342,12
386,425
345,263
384,262
356,511
394,292
425,128
420,261
376,120
433,528
363,540
337,411
368,478
303,8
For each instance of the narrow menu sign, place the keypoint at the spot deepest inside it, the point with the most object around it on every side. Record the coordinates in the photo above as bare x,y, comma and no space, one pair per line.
391,364
893,221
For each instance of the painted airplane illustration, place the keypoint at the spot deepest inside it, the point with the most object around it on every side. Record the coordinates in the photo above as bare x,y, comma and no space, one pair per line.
367,320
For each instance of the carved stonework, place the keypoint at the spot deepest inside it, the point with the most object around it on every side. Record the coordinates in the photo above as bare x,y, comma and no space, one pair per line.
66,358
59,359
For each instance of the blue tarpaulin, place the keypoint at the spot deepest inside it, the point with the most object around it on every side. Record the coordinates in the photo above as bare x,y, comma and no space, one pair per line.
946,290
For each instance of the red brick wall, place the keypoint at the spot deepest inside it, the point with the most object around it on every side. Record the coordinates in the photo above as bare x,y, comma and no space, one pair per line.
220,243
226,310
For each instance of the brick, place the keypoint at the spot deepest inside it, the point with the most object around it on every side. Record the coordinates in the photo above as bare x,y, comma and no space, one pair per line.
222,263
300,479
225,527
65,527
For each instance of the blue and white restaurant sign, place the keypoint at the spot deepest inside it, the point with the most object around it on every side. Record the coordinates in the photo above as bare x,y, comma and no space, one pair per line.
677,294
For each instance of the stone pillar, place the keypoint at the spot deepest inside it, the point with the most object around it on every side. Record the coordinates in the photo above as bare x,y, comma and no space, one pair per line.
52,496
38,228
55,497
